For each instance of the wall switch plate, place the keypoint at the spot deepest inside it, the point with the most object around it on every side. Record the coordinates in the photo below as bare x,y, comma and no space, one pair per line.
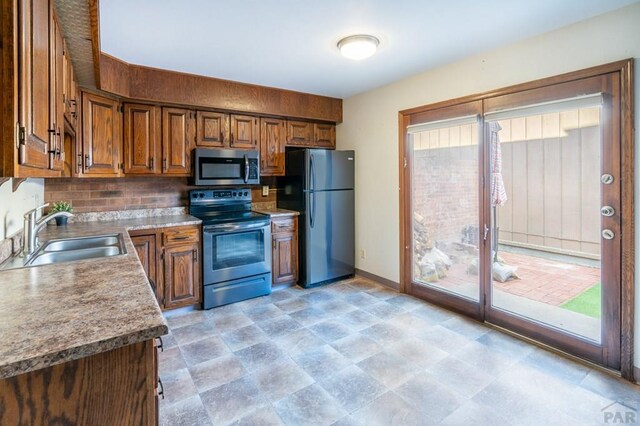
265,190
363,254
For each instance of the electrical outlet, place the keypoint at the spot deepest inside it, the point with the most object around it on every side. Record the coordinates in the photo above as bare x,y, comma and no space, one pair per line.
363,254
265,190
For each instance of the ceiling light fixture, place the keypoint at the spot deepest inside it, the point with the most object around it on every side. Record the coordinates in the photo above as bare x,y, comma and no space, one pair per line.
358,46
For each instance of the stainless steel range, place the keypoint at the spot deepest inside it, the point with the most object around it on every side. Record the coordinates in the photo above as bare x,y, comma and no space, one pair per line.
236,246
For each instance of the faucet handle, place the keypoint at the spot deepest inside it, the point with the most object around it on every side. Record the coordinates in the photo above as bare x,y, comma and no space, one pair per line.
34,211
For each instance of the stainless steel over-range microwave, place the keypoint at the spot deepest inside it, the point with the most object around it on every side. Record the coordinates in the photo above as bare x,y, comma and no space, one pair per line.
226,167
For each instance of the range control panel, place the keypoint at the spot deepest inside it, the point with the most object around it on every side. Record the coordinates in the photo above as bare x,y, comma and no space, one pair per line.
231,194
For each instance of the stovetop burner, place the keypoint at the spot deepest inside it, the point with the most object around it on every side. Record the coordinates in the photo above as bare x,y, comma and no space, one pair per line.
216,206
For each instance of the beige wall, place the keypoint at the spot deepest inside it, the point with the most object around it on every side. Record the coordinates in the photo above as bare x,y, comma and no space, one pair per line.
371,119
13,205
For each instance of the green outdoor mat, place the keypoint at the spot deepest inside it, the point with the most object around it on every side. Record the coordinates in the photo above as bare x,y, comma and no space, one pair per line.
587,302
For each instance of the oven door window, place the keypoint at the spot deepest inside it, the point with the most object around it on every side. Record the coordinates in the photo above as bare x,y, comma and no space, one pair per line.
237,249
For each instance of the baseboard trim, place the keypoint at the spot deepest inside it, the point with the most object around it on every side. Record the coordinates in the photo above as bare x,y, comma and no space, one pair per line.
385,282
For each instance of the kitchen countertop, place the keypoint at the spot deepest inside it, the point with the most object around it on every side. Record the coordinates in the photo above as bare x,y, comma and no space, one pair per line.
276,212
56,313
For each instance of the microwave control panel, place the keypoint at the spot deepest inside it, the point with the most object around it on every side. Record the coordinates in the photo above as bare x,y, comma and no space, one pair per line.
253,169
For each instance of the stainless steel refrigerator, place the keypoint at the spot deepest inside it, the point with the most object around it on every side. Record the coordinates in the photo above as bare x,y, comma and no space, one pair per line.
319,184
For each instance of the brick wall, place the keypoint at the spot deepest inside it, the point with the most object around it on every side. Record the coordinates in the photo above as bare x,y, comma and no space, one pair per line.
445,182
93,195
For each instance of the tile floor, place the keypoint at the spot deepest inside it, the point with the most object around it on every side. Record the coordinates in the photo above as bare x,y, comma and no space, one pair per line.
357,353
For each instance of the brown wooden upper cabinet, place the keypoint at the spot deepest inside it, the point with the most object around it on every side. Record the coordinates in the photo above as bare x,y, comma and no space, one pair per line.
37,49
178,136
272,141
299,133
101,135
324,135
56,93
212,129
70,89
142,141
244,132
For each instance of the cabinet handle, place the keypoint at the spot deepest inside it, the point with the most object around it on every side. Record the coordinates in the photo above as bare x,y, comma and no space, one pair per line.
221,136
164,164
86,161
151,163
160,343
255,141
161,388
183,237
231,138
79,163
195,255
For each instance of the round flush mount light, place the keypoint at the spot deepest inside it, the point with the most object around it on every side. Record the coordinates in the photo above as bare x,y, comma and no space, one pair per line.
358,46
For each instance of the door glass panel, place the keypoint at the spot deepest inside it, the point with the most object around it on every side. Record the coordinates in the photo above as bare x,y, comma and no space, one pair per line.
445,171
237,249
545,207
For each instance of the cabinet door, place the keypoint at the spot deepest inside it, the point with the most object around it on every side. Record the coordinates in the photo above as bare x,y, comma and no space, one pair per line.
33,68
145,246
56,94
272,132
101,135
299,133
178,133
141,139
181,275
325,135
212,129
284,258
69,88
244,132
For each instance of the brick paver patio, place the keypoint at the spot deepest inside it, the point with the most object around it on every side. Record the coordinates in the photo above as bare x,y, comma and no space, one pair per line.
542,280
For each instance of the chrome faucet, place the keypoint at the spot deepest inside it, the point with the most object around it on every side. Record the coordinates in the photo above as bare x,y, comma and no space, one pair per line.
33,226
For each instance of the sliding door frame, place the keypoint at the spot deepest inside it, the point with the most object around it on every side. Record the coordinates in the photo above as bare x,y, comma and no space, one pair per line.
623,74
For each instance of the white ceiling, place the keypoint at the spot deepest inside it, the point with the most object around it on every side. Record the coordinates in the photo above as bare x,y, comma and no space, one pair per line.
291,44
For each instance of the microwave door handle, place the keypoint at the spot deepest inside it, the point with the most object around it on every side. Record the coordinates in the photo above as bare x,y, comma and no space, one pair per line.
246,168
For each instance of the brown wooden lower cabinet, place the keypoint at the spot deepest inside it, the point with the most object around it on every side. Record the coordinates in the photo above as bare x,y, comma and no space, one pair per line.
284,257
171,259
114,387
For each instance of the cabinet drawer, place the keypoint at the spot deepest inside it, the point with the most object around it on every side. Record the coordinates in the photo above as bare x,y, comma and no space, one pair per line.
180,235
283,225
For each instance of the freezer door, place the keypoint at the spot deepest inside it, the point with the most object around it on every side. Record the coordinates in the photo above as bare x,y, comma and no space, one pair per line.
329,170
329,236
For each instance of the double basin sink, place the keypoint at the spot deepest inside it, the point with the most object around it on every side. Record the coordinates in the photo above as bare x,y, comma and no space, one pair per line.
80,248
73,249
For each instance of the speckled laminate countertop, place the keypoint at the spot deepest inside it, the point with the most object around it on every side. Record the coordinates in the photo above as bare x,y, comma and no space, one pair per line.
60,312
277,212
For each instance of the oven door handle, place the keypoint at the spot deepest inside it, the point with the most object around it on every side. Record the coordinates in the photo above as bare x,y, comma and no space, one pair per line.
246,168
233,227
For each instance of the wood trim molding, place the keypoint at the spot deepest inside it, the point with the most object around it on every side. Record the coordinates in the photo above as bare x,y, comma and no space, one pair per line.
373,277
155,85
535,84
94,20
627,166
625,70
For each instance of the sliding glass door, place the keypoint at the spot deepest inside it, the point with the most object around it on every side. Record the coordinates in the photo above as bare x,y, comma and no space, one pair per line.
554,203
446,199
512,212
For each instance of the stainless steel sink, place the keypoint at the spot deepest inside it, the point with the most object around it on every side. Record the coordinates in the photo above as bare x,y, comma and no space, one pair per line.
71,249
82,243
45,258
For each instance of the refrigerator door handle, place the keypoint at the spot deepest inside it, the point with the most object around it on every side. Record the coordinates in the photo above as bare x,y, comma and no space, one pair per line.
312,184
312,207
312,178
